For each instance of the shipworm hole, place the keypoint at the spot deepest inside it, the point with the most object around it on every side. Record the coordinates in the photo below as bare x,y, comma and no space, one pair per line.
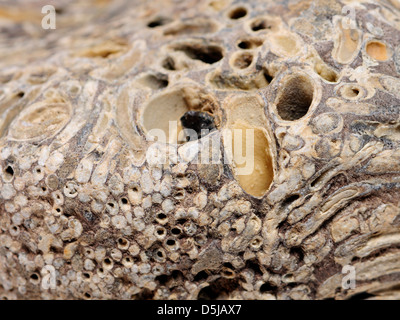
154,81
200,122
377,50
325,72
158,22
237,13
247,142
295,98
243,60
351,92
169,64
260,24
250,43
169,116
198,51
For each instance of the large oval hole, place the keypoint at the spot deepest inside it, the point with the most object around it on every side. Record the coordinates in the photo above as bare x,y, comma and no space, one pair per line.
167,115
296,98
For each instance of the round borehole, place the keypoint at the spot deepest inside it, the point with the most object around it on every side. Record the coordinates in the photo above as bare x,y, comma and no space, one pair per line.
295,98
237,13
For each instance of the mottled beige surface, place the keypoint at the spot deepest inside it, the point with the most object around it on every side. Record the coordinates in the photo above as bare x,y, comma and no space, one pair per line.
78,194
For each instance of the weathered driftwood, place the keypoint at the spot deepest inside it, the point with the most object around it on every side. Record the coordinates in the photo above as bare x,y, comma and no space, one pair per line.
88,207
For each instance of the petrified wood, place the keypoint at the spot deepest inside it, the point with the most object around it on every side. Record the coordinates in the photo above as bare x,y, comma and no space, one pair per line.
95,205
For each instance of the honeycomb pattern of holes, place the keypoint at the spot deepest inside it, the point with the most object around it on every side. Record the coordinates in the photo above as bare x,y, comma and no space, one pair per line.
34,278
242,60
159,114
352,92
207,53
39,121
160,233
108,264
123,243
325,72
218,289
8,174
161,218
346,45
176,231
250,43
171,244
295,98
201,122
237,13
194,26
112,207
154,82
159,22
252,159
377,50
